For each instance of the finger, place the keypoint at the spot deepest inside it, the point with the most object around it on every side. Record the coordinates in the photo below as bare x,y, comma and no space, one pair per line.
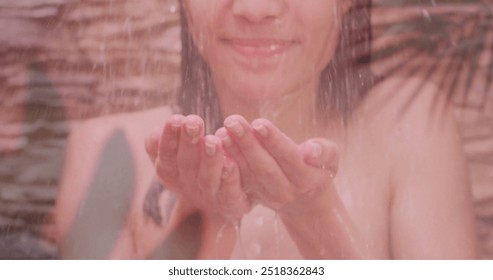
168,148
211,165
249,148
233,152
262,166
231,198
241,132
170,137
318,153
322,154
189,149
283,149
152,144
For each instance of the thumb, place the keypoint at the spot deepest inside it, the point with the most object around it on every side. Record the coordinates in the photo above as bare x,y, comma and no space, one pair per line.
321,153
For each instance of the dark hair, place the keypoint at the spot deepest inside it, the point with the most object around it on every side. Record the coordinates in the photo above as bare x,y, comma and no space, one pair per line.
343,83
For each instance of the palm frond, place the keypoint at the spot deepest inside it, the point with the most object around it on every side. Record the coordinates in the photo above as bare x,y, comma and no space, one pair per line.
454,37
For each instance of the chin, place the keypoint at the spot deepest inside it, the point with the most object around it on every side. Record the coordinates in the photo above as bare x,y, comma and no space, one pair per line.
258,91
259,86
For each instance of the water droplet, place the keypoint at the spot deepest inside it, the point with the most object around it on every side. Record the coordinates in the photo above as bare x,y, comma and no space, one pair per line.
173,8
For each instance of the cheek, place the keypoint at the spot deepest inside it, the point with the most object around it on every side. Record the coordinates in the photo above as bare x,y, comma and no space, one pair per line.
202,25
322,38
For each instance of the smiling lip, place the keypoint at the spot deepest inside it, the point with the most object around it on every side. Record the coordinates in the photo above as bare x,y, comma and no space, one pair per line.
259,48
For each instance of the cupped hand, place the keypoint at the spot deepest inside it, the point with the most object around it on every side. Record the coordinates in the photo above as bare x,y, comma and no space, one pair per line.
276,171
195,167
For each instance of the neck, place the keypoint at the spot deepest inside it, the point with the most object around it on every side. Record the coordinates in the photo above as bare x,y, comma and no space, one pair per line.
294,113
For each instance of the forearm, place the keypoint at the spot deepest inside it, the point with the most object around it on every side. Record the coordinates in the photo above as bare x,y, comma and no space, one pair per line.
218,237
322,229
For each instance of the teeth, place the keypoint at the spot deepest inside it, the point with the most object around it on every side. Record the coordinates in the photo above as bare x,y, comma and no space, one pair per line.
270,48
259,48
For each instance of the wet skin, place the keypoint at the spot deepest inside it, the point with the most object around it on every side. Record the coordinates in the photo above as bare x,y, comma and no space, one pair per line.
381,186
273,168
370,188
394,168
243,164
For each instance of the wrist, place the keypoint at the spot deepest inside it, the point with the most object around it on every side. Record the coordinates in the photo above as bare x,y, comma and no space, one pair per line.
308,205
211,214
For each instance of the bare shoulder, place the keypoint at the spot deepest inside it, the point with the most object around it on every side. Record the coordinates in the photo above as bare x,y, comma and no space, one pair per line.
416,125
406,115
399,103
411,116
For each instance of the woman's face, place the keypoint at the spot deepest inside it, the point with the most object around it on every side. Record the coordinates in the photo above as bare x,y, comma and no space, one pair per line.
262,49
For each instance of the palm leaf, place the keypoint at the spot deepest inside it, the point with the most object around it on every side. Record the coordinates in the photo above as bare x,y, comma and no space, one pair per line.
452,35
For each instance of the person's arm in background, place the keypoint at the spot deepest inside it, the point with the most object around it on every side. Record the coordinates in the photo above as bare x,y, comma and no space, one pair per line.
95,192
97,215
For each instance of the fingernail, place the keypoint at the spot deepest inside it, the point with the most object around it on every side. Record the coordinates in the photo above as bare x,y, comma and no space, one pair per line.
175,127
175,124
192,129
227,142
316,149
260,128
210,147
235,127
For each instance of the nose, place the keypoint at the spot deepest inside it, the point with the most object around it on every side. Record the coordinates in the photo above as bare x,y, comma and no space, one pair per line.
258,11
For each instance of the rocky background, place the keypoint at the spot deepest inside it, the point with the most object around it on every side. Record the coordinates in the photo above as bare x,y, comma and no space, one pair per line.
70,60
66,60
